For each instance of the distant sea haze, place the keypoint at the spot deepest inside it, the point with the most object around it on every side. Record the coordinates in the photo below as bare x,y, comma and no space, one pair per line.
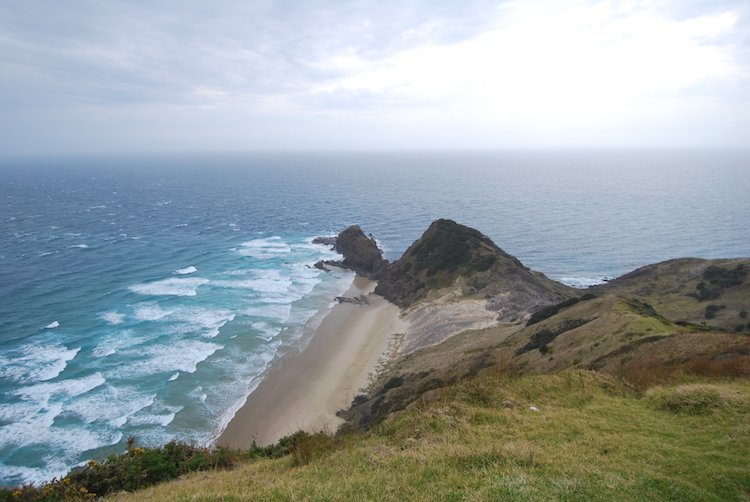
145,296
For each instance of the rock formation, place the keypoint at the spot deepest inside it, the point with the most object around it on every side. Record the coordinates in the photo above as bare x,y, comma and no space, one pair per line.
361,253
450,255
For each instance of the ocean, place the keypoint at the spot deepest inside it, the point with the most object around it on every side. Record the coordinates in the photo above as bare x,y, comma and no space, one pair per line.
145,296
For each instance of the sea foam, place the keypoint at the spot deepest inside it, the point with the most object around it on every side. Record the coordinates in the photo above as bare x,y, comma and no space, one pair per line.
583,282
185,271
112,318
269,247
110,404
150,312
35,362
44,392
172,287
183,355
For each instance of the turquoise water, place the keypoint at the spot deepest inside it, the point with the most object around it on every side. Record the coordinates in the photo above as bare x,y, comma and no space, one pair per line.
145,296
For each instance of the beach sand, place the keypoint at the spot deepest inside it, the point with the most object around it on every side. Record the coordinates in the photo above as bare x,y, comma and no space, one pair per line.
305,391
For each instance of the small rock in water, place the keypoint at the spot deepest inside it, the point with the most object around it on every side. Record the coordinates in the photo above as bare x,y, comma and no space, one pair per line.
326,241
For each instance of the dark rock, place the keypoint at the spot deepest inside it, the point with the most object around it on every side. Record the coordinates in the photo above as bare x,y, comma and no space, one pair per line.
447,251
361,253
325,241
359,300
322,266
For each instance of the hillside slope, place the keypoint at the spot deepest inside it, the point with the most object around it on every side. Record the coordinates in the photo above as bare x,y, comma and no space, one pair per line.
693,290
623,337
451,256
573,436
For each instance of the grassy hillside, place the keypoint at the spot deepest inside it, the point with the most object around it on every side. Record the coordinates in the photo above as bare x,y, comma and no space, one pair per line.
590,437
711,292
624,338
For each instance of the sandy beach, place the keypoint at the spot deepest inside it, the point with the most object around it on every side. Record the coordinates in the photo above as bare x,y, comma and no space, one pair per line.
304,392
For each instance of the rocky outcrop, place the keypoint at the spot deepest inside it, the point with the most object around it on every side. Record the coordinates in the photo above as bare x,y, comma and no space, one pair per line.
354,300
361,253
325,241
452,255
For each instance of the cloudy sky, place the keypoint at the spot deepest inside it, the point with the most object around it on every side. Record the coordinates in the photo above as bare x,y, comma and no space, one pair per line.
169,75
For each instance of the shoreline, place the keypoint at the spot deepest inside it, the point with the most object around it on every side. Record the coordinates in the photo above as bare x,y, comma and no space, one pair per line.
304,391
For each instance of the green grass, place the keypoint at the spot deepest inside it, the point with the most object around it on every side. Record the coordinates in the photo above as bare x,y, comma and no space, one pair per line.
592,438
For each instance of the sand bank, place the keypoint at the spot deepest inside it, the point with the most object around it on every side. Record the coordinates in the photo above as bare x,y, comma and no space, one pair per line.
304,392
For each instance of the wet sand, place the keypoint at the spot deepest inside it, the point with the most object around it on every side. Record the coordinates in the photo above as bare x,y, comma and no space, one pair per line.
305,391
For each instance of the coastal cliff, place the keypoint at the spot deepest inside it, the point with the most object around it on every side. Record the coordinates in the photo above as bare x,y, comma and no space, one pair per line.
451,258
682,315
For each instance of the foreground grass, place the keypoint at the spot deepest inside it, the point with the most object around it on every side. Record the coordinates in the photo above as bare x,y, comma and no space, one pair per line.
591,438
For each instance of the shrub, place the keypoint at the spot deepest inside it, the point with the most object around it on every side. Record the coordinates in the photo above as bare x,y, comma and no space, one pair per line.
538,339
711,311
570,324
142,467
646,372
484,263
392,384
720,279
548,312
730,366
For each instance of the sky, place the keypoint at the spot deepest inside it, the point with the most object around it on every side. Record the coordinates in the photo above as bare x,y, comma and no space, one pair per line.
86,76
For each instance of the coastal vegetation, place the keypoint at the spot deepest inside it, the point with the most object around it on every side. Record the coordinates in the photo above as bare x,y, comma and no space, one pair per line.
575,435
637,390
548,312
718,279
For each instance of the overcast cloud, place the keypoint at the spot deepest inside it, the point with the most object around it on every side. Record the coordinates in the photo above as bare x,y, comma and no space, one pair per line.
92,76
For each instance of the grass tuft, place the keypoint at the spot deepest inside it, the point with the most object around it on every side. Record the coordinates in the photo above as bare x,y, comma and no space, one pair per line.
692,399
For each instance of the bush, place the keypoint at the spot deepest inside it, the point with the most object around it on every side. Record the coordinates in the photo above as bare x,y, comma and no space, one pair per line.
392,384
730,366
720,279
484,263
539,339
141,467
711,310
548,312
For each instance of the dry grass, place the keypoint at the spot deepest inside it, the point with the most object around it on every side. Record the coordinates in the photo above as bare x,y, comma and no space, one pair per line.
691,399
731,367
590,438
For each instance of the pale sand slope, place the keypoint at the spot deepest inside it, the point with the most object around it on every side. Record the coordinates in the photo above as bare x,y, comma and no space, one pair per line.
434,321
305,392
